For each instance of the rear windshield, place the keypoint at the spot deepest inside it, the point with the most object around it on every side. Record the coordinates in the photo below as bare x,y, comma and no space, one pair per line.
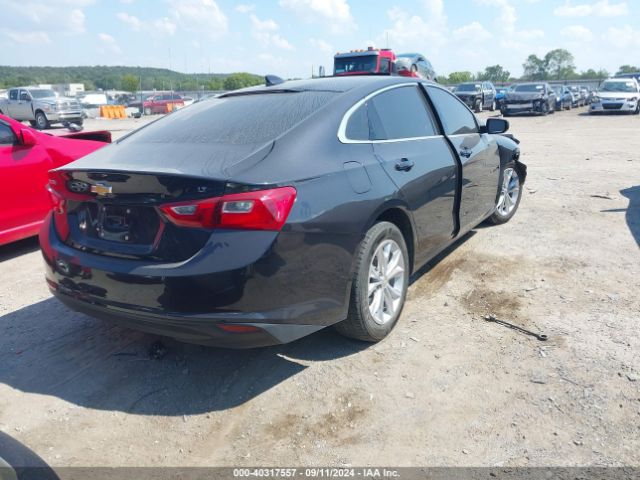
467,87
529,88
236,120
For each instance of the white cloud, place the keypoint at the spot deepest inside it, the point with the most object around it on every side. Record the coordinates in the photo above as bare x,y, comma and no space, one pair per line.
577,33
108,43
204,16
336,13
321,45
66,16
162,26
622,37
132,21
473,32
242,8
265,32
267,25
157,27
512,37
415,31
601,8
28,38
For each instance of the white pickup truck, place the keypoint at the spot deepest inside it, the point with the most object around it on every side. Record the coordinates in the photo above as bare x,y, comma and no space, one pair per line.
40,106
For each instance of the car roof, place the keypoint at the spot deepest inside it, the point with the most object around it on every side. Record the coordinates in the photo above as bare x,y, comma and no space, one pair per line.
338,84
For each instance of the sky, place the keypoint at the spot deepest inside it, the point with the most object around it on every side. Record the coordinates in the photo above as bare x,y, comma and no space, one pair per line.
290,37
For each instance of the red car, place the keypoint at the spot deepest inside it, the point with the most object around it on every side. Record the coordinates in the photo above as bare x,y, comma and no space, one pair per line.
26,155
158,103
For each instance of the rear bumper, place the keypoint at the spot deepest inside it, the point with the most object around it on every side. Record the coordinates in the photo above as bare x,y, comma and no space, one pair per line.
212,330
271,281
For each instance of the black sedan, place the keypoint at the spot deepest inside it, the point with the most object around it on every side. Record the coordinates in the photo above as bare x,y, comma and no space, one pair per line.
536,98
266,214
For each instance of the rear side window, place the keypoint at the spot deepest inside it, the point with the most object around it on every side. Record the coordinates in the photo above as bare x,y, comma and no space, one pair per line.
358,125
455,116
7,136
400,113
236,120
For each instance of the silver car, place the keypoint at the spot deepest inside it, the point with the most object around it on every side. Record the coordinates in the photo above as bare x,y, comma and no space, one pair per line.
617,95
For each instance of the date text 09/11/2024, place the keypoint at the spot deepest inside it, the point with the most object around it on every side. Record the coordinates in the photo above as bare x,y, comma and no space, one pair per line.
315,473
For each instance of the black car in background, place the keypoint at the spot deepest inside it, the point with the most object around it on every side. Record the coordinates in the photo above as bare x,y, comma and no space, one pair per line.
268,213
477,95
564,97
535,97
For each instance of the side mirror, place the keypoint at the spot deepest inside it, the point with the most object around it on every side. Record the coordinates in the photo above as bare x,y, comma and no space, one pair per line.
496,125
27,138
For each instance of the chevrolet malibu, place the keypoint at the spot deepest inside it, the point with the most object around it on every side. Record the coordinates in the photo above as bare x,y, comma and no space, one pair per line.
266,214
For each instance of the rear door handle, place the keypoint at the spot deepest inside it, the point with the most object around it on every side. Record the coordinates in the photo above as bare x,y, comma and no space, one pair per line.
404,165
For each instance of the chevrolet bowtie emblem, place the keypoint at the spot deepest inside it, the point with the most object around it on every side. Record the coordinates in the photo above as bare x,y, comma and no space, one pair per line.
101,189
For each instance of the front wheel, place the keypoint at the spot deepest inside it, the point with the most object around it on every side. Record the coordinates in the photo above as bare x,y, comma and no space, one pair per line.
510,195
147,111
478,105
380,283
41,121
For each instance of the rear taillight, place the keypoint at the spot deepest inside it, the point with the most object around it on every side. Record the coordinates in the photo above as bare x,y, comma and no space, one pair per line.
238,328
257,210
59,203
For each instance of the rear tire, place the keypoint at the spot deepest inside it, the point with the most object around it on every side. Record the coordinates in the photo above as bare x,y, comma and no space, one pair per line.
509,197
380,283
147,111
41,121
493,106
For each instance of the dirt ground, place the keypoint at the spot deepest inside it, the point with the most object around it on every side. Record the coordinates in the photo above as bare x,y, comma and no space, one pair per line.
446,388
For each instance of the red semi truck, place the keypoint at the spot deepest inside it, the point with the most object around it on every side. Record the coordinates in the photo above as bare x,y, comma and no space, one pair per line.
364,62
382,61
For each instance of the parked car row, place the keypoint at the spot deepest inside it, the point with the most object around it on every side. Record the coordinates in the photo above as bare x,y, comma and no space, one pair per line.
543,98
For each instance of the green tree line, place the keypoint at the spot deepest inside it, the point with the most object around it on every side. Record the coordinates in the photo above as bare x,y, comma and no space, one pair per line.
557,64
125,78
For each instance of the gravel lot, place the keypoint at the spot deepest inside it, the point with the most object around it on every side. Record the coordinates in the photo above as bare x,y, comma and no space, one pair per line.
446,388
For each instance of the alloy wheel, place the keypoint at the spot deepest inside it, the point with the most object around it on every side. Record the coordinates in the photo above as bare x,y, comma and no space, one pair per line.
386,281
509,192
